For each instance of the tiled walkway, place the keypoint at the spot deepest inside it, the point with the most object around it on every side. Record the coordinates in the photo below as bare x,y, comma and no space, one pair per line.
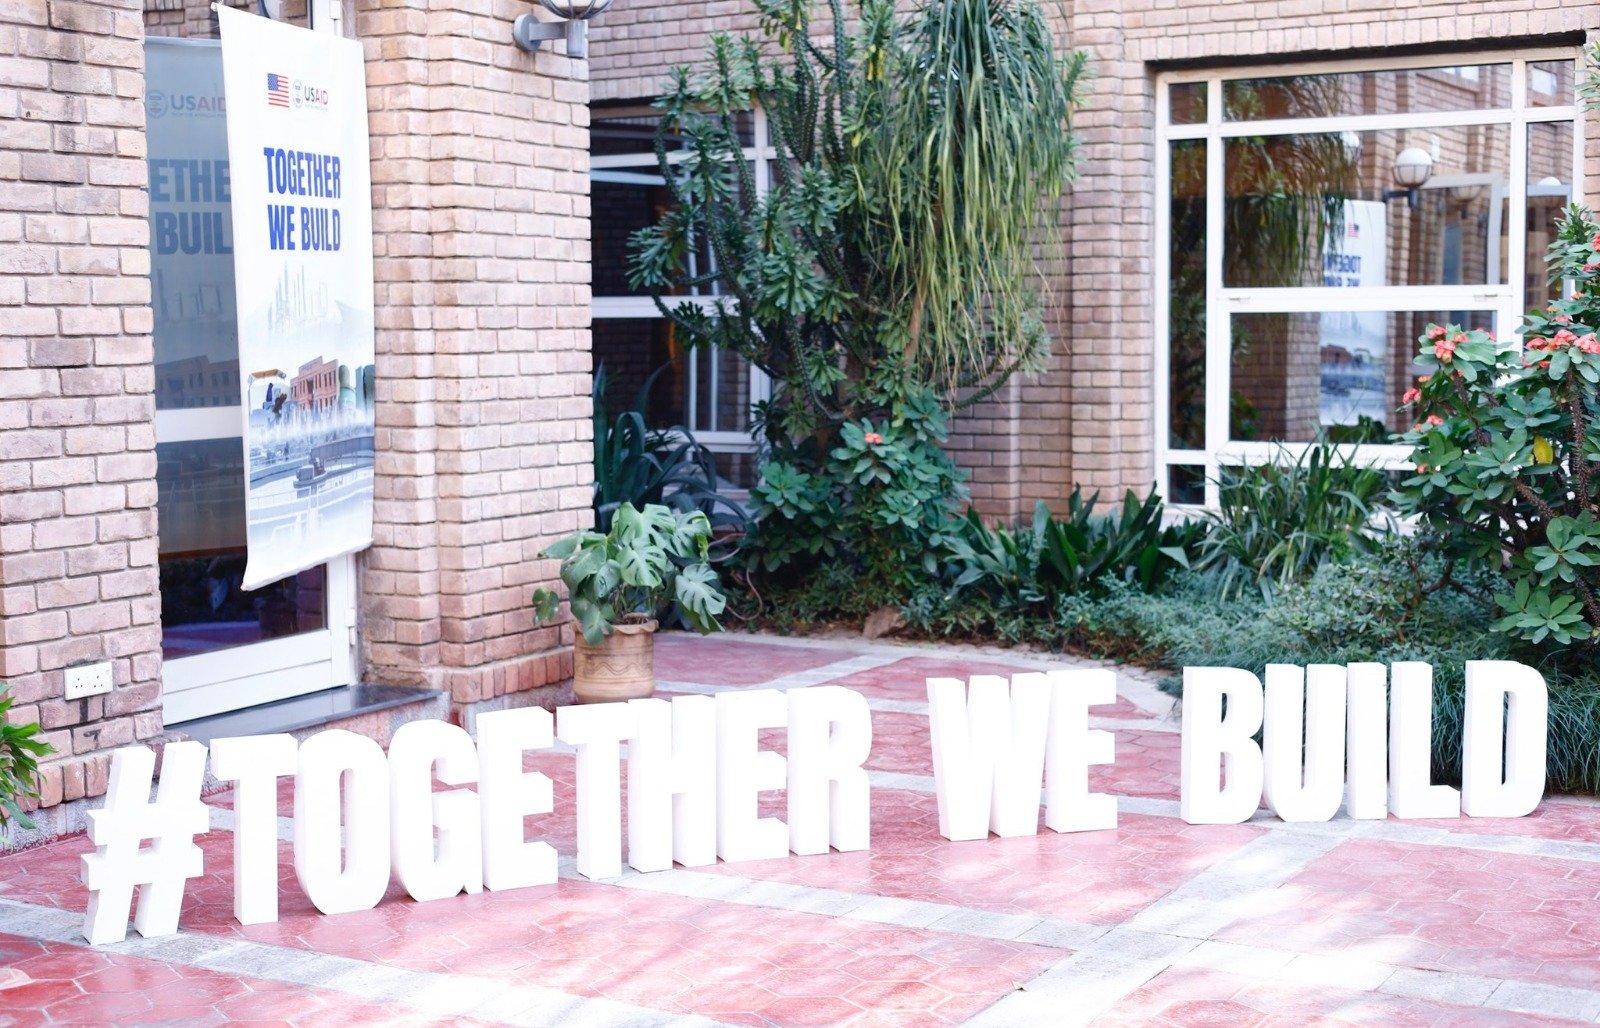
1458,922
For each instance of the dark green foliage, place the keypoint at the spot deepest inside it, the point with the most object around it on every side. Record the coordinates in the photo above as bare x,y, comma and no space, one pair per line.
20,750
1077,554
1278,522
639,465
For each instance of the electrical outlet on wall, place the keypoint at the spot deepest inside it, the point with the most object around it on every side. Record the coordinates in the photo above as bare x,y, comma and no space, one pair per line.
88,680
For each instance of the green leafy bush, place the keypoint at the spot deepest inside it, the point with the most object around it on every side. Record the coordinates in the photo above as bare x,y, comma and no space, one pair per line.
1277,523
1505,444
1076,554
20,750
881,503
650,561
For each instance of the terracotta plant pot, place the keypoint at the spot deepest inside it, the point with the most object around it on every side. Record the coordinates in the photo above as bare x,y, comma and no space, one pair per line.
621,666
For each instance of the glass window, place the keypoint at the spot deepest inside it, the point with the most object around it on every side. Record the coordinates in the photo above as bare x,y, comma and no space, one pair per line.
1340,244
1399,91
1332,209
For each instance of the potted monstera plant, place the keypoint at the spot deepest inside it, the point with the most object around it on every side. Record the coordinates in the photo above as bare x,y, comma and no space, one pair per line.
652,562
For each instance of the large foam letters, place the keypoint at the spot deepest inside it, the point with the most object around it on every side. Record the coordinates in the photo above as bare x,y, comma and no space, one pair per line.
988,753
1071,748
1507,721
356,878
508,795
418,748
744,771
254,763
597,732
1367,742
1304,782
1217,747
830,735
672,783
1411,792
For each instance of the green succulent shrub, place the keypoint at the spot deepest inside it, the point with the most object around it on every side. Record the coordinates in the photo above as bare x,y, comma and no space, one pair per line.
20,750
1276,523
881,502
1505,444
651,562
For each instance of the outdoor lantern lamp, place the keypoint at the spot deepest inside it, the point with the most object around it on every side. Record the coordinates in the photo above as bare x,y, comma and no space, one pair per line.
529,31
1412,168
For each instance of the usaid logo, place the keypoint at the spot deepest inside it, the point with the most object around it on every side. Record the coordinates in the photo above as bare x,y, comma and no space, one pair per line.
155,104
306,95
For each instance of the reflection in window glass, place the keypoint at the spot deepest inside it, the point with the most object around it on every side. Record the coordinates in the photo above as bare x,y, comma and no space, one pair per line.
1549,191
1550,83
1399,91
1187,103
200,490
1186,297
1325,209
632,350
1186,483
1341,374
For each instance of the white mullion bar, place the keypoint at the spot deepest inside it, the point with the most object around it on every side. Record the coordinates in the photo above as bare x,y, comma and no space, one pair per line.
1163,286
1579,161
1517,204
1315,300
1185,131
1379,455
1549,113
1218,343
644,307
1339,66
1366,123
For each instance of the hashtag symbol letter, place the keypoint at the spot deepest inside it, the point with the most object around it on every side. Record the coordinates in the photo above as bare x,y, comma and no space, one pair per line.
162,870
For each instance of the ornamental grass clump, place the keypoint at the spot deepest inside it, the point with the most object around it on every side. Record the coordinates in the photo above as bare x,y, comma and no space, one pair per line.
1505,443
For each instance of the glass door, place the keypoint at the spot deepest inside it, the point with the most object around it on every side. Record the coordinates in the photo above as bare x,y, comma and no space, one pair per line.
223,648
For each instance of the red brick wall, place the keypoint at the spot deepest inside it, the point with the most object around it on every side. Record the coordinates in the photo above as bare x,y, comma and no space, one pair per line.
77,436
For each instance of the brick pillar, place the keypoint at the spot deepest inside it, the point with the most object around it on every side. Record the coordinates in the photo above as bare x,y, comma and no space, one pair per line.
480,195
78,579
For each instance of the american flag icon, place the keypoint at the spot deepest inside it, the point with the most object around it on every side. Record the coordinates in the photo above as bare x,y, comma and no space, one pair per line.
277,90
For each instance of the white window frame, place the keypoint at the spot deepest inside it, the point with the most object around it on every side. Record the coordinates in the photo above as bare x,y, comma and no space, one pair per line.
760,154
1503,300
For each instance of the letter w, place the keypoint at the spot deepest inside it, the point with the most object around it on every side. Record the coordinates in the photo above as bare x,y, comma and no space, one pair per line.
988,753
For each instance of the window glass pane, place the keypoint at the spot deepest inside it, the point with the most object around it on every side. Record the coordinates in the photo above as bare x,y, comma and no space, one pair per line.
738,470
1549,191
1186,102
1297,377
1186,483
636,134
722,392
200,490
631,350
1332,208
621,201
1400,91
1186,297
1550,83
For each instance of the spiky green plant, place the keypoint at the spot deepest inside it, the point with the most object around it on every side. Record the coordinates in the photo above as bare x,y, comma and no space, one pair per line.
20,750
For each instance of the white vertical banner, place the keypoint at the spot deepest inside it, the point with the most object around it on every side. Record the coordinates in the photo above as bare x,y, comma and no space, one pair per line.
302,244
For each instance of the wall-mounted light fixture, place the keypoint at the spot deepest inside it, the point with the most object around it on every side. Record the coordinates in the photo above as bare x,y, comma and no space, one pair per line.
530,32
1413,166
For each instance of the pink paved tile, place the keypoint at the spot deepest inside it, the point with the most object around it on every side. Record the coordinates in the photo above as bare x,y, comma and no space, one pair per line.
907,680
1088,877
1184,996
686,657
77,985
1569,820
1505,915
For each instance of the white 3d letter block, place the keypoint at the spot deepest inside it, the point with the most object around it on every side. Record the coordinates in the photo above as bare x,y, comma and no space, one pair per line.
1304,782
744,772
597,731
988,753
672,783
1503,694
830,735
416,750
1367,742
1411,792
1071,748
1217,747
254,763
507,795
355,879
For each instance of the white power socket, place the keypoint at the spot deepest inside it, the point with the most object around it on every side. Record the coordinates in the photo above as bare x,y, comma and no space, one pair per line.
88,680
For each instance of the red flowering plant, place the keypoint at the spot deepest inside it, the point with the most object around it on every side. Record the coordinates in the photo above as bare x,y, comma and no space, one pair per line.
1505,442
